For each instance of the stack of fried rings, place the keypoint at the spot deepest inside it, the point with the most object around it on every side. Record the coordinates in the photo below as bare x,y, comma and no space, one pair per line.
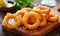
31,18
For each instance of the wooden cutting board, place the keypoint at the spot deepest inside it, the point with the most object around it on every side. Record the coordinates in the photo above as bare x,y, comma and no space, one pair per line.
39,32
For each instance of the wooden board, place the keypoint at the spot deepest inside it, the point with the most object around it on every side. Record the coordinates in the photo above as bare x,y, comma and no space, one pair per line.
38,32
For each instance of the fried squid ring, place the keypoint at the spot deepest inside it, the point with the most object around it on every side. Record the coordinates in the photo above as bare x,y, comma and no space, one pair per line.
53,17
20,12
37,10
34,25
11,21
43,21
42,9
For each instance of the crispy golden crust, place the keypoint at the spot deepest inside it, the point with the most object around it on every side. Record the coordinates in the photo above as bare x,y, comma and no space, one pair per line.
20,12
42,9
53,17
43,21
35,25
10,16
27,9
30,18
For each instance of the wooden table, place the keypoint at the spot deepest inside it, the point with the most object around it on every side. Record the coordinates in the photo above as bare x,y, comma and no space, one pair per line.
55,32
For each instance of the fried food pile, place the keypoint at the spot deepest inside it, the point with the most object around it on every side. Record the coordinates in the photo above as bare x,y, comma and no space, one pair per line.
30,18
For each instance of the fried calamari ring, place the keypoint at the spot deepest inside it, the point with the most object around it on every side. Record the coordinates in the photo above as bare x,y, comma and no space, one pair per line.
11,21
43,21
20,12
53,17
43,9
23,11
37,10
33,26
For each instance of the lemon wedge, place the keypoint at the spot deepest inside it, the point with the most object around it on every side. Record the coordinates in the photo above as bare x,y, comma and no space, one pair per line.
3,3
